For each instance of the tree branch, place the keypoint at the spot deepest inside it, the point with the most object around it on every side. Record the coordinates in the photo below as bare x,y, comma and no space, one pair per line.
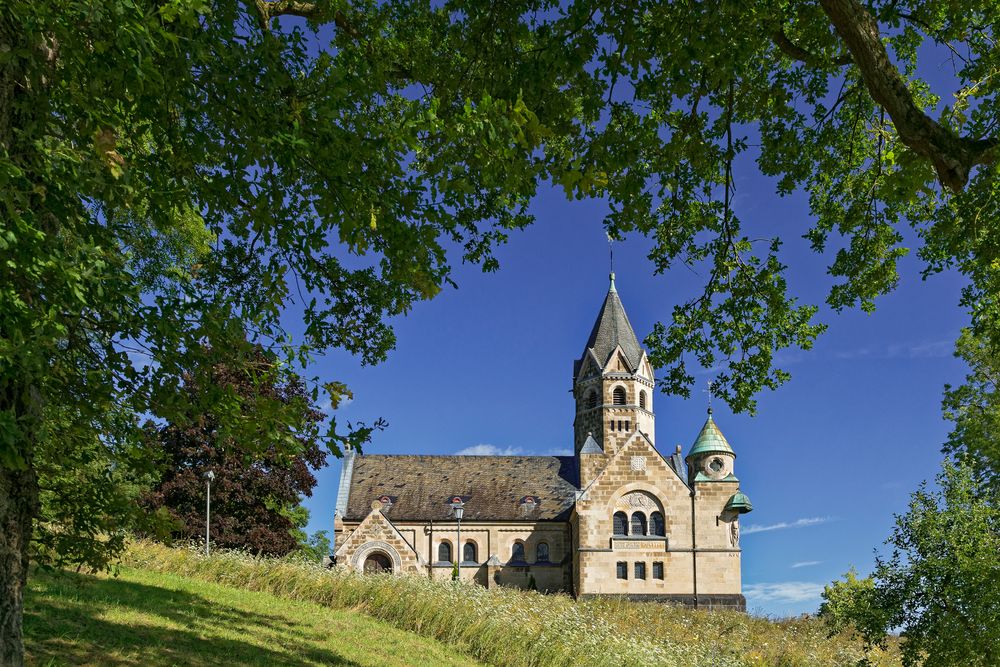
796,52
953,156
268,10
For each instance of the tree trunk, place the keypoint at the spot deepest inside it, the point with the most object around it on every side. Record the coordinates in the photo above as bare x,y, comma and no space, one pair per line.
18,501
19,391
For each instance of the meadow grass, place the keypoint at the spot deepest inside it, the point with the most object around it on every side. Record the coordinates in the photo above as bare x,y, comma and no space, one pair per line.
151,618
513,627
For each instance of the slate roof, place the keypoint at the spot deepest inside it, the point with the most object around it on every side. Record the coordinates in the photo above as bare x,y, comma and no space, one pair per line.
611,329
492,487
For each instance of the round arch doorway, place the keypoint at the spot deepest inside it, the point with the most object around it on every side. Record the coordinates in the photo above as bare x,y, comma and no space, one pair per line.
378,563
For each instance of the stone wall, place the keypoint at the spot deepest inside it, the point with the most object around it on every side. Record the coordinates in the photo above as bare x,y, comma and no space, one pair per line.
638,478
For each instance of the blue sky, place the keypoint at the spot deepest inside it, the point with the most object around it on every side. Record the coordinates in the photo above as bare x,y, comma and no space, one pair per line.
827,461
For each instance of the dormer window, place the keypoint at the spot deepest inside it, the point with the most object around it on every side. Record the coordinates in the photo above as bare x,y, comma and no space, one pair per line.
529,503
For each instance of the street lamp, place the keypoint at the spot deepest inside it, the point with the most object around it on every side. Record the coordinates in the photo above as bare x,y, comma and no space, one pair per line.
209,476
458,509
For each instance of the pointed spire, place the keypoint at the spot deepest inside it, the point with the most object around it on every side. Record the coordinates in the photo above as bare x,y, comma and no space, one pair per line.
612,329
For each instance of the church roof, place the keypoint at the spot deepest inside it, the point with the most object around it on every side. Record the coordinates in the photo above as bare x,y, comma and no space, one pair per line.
710,440
612,329
493,488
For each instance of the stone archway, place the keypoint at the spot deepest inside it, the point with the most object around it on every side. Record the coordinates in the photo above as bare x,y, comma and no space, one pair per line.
377,563
384,555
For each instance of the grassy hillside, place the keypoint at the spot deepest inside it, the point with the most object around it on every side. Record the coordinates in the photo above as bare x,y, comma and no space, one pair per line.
503,627
150,618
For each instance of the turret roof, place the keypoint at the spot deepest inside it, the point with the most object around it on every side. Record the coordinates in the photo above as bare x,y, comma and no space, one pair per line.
710,440
612,329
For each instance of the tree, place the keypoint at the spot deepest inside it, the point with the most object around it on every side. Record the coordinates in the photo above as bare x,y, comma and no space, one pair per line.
940,586
257,488
180,173
173,176
974,407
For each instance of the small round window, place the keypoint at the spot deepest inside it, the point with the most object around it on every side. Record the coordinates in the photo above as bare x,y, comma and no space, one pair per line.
716,464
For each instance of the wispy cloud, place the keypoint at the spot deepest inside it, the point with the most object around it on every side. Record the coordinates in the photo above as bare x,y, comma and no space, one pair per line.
798,523
932,349
783,591
327,405
806,563
489,450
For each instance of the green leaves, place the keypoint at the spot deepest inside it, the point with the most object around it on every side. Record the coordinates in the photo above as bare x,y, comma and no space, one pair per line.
940,586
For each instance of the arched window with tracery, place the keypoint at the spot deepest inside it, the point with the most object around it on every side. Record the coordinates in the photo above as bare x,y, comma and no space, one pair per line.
592,399
638,523
656,526
517,552
620,523
469,552
642,399
618,396
444,552
542,553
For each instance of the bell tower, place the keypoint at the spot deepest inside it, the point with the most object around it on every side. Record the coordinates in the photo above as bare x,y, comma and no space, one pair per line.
612,384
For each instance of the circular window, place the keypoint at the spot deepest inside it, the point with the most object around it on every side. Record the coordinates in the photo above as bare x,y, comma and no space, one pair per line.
716,465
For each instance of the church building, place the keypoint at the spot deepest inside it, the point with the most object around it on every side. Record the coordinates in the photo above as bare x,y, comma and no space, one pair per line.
617,518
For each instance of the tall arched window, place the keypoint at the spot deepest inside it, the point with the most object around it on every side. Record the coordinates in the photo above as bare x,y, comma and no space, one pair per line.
618,396
469,552
656,526
517,552
542,553
592,399
638,523
621,523
642,399
444,552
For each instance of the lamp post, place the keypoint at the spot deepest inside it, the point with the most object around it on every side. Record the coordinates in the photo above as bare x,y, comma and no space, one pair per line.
458,508
209,476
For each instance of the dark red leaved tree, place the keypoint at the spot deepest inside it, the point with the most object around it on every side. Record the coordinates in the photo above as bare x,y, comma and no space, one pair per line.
258,480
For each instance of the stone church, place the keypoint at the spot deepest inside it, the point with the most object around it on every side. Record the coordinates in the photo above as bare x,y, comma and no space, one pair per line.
617,518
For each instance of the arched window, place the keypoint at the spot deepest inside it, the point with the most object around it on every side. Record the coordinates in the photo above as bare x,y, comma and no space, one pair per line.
444,552
542,553
638,523
621,523
517,552
618,396
642,399
469,552
656,526
592,399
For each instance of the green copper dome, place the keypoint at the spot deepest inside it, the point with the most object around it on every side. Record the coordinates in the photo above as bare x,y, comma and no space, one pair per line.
710,441
739,503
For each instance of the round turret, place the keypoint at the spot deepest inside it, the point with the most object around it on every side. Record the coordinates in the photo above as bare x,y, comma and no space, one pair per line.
711,458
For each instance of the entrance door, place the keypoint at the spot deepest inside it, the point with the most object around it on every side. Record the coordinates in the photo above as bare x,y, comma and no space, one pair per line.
378,563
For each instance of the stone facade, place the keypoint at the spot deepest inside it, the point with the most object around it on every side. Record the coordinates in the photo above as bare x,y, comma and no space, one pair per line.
617,518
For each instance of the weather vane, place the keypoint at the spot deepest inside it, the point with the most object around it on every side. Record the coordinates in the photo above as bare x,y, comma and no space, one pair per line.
611,251
711,385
